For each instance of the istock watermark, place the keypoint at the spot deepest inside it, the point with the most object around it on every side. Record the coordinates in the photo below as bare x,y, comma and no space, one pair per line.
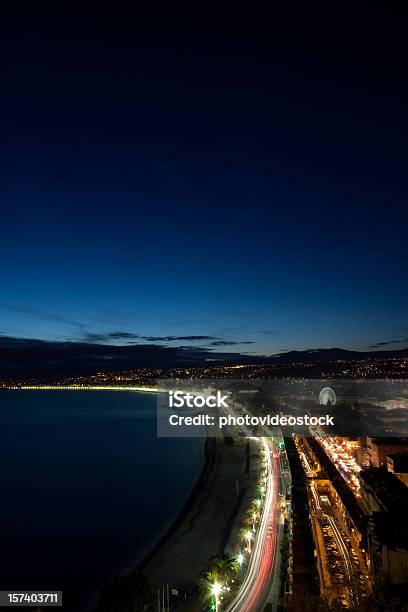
234,412
179,399
240,408
276,420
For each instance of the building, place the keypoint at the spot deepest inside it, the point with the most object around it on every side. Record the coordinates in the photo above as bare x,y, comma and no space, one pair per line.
397,464
377,449
388,548
384,499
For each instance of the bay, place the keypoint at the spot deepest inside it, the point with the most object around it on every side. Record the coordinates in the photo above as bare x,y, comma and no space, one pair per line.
86,487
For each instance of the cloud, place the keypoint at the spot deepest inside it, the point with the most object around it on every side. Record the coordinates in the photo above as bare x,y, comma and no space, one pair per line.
44,315
107,337
102,337
11,342
128,338
388,342
176,338
120,336
230,342
123,336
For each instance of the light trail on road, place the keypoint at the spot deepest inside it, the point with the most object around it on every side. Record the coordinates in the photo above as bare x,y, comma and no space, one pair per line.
255,588
342,455
344,552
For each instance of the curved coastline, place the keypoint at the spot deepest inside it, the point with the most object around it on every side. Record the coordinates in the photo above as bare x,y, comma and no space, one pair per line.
208,464
202,529
199,530
140,567
180,503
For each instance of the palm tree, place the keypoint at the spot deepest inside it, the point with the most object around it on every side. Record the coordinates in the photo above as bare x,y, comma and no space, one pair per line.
253,518
255,506
246,536
207,582
225,566
261,489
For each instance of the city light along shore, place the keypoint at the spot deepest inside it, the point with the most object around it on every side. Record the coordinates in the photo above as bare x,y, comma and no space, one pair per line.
84,388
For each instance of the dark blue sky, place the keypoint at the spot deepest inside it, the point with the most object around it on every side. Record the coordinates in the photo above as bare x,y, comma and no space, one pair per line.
235,177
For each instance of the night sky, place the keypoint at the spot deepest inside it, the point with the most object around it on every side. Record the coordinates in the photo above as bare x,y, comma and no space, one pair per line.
207,181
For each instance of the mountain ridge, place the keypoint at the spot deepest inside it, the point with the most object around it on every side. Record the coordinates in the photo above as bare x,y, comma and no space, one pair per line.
25,357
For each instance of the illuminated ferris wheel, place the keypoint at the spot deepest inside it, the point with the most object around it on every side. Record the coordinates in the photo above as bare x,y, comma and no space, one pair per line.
327,397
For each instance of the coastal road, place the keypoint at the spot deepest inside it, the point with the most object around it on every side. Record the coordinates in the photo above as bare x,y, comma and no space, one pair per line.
255,589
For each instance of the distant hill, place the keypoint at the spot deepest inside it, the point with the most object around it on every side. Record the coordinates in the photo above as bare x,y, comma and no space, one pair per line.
333,354
25,358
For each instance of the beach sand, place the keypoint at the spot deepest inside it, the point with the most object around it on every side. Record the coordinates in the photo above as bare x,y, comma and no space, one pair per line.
204,526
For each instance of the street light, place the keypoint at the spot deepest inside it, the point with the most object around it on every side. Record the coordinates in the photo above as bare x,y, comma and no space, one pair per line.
249,536
216,590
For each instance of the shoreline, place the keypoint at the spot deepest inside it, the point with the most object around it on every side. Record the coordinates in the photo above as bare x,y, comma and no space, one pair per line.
139,389
199,530
202,528
208,464
182,504
141,564
179,522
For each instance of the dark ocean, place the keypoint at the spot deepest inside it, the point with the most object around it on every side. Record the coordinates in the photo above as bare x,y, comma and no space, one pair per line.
86,487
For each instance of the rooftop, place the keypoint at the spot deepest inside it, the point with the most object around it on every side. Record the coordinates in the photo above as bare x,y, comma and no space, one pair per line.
400,462
392,533
391,493
390,441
